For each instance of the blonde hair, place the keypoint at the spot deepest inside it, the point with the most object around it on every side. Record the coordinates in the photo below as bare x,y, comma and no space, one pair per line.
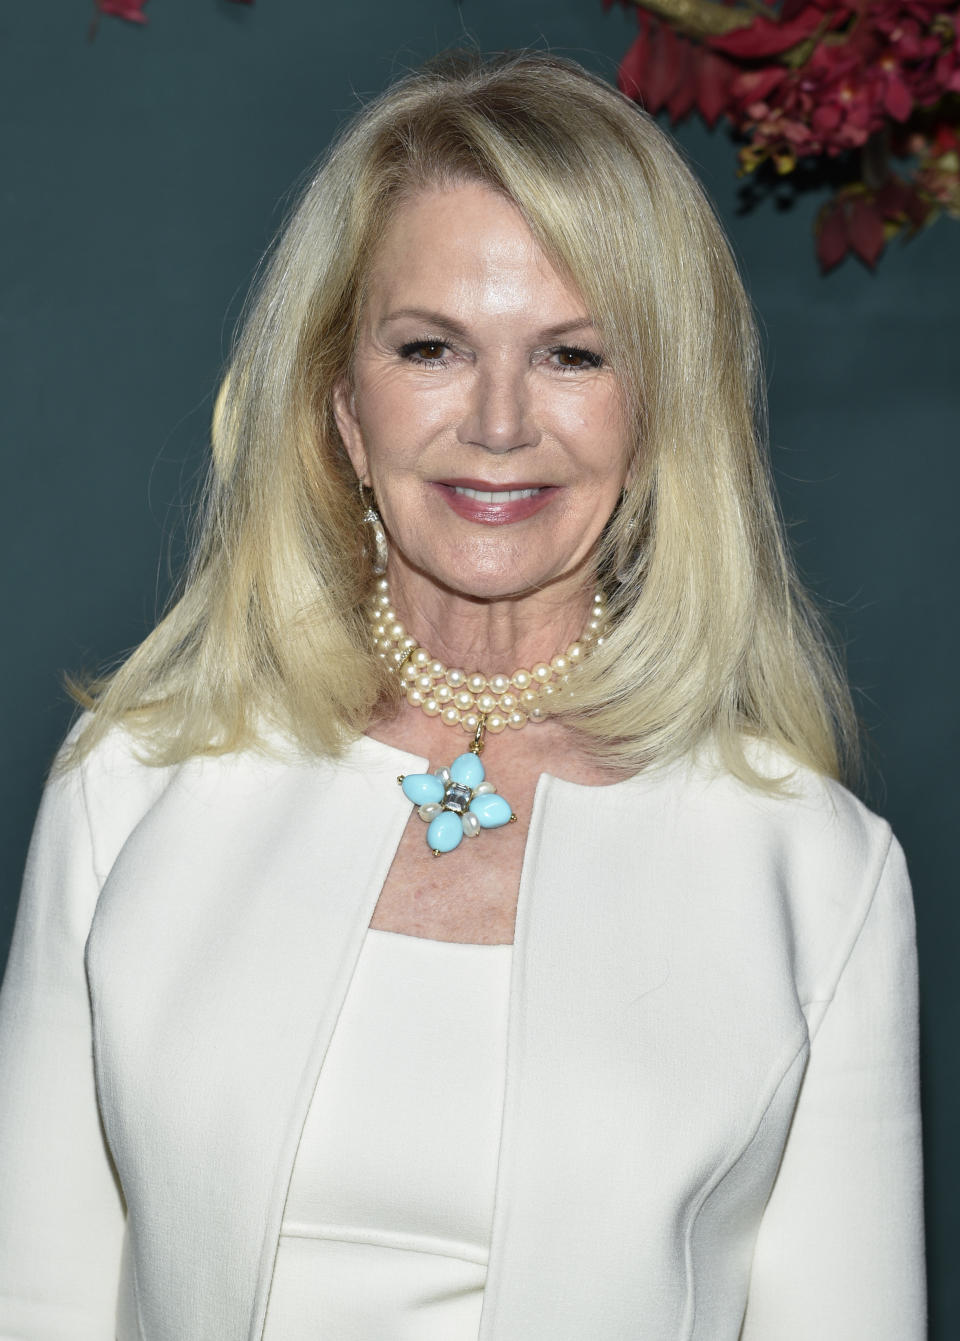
713,638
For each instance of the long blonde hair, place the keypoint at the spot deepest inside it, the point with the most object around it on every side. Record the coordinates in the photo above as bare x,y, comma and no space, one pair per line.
713,638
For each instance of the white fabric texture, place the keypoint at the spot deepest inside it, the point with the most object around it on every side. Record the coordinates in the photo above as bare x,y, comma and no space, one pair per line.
710,1119
386,1228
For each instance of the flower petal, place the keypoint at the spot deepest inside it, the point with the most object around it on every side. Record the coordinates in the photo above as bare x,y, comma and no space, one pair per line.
445,832
467,770
422,788
492,810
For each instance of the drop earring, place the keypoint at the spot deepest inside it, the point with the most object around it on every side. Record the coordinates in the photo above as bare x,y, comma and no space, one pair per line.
630,554
376,542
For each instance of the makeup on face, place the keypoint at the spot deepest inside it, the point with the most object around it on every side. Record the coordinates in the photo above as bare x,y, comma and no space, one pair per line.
482,411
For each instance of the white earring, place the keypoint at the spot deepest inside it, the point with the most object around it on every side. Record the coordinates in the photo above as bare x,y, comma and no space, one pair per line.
376,545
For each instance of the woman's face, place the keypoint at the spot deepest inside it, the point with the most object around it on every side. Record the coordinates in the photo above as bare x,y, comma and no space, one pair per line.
481,412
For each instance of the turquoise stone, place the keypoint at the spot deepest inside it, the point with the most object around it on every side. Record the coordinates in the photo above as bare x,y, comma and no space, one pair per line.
468,770
445,832
491,810
423,789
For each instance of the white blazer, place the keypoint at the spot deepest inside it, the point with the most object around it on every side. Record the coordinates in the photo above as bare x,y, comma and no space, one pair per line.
711,1126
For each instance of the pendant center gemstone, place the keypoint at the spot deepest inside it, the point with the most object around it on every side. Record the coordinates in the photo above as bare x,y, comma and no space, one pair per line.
457,797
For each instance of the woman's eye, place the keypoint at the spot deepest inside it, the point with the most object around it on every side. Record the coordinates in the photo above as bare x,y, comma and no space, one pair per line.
568,357
424,351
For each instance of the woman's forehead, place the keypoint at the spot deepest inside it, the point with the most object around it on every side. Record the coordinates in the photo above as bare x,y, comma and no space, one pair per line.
467,248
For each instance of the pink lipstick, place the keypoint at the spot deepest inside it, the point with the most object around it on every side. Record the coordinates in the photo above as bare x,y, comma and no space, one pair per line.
495,504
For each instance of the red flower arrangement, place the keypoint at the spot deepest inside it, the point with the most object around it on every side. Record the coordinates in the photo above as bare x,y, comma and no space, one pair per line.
131,10
850,85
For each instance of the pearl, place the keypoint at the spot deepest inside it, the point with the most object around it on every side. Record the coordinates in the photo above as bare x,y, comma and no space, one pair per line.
502,701
484,789
429,811
471,825
444,775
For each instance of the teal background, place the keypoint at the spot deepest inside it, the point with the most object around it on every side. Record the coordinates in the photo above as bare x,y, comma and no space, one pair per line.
142,176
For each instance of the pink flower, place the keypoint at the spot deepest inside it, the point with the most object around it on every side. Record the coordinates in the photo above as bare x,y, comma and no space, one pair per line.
768,37
132,10
664,69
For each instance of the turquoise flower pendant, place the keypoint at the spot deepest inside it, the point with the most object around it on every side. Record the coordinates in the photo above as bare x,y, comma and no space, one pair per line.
456,802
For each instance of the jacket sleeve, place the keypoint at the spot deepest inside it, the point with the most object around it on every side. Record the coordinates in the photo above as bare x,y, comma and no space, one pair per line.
61,1211
839,1255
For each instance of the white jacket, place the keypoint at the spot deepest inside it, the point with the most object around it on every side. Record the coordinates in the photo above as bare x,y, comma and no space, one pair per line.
711,1126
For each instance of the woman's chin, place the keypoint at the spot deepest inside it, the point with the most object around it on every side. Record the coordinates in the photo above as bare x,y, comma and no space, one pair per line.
484,568
457,578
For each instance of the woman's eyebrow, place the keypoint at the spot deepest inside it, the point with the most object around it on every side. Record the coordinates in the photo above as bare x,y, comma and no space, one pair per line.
442,321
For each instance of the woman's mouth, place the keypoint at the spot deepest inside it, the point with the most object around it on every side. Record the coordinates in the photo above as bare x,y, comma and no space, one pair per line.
495,505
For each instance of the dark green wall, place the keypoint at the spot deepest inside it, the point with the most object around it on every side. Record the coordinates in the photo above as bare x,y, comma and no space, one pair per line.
142,176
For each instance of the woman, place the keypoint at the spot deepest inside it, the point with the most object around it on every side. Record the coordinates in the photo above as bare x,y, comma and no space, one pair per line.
488,497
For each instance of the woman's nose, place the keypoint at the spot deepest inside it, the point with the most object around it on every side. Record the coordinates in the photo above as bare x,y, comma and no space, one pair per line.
498,415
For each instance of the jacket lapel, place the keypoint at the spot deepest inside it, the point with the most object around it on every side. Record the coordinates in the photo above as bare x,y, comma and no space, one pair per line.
217,976
641,1057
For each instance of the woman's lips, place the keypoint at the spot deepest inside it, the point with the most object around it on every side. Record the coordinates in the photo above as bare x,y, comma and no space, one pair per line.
494,505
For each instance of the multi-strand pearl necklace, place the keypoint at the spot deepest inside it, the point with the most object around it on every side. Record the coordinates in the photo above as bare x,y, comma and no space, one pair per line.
459,801
462,699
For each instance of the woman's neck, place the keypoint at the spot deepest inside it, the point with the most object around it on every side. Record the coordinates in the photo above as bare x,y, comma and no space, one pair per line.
490,635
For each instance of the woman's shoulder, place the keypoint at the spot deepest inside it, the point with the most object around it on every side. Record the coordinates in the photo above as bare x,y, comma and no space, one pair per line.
114,782
821,854
107,787
785,798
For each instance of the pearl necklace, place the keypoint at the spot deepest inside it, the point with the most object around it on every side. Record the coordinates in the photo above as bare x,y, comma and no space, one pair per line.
457,802
465,700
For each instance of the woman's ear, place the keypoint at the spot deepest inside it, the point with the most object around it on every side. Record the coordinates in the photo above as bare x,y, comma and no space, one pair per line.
348,426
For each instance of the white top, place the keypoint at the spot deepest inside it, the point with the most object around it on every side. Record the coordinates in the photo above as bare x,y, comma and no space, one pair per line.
386,1228
710,1127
